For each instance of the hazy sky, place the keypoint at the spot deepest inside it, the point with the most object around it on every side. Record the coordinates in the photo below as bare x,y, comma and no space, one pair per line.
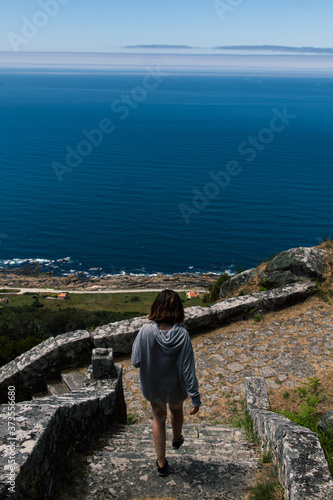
109,25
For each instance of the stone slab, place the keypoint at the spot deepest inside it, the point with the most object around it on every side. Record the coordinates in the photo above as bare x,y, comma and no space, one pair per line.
326,423
119,335
74,346
235,306
73,380
40,358
56,388
237,281
296,366
197,318
11,376
284,296
256,395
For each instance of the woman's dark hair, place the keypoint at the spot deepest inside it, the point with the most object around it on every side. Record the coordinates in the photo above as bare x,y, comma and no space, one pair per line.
167,307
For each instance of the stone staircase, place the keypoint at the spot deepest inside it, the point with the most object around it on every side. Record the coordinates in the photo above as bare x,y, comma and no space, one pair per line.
215,462
70,380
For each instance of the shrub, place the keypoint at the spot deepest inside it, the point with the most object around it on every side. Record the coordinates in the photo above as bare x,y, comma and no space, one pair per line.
131,419
214,293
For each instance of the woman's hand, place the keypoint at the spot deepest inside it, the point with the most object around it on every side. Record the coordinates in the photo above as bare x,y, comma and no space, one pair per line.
194,410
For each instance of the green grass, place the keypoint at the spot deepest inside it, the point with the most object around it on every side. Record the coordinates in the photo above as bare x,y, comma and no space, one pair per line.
245,422
311,393
267,457
264,491
131,419
258,317
115,302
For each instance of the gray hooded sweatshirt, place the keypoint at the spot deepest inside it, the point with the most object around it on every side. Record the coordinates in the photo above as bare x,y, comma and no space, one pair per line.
166,362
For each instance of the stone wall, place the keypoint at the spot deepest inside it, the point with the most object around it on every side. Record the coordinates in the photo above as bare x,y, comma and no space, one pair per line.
46,428
303,469
30,371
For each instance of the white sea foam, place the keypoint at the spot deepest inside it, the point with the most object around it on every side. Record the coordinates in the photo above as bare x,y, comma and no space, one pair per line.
97,272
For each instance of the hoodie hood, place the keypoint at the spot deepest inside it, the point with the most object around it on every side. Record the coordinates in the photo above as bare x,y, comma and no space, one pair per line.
170,341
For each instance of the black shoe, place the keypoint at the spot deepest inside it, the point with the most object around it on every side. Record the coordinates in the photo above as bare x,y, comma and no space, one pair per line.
162,471
176,444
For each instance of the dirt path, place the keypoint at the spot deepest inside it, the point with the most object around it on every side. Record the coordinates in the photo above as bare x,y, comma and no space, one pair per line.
50,290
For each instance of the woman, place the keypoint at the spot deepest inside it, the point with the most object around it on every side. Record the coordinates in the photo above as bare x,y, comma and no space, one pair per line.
164,353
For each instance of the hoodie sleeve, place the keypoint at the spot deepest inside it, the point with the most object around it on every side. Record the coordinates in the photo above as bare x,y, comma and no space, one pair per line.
189,374
136,350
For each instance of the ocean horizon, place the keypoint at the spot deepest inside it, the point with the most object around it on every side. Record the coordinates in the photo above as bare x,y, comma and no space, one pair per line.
109,172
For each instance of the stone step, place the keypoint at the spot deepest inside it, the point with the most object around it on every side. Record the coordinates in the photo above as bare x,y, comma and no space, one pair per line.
214,462
56,388
73,380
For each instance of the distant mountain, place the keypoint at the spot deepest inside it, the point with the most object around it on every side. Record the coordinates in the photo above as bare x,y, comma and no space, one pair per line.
248,48
277,48
157,46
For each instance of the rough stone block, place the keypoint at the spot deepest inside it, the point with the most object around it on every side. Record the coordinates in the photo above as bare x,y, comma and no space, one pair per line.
102,363
256,395
37,364
11,376
237,281
293,265
119,335
271,300
56,388
326,423
304,468
197,318
40,359
237,307
74,346
297,367
73,380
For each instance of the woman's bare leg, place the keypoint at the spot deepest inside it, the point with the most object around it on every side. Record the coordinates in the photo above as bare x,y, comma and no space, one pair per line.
177,418
160,414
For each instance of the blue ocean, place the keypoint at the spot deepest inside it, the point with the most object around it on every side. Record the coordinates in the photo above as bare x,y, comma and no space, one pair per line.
105,172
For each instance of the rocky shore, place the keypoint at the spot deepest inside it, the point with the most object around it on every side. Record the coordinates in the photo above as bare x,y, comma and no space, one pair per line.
16,279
